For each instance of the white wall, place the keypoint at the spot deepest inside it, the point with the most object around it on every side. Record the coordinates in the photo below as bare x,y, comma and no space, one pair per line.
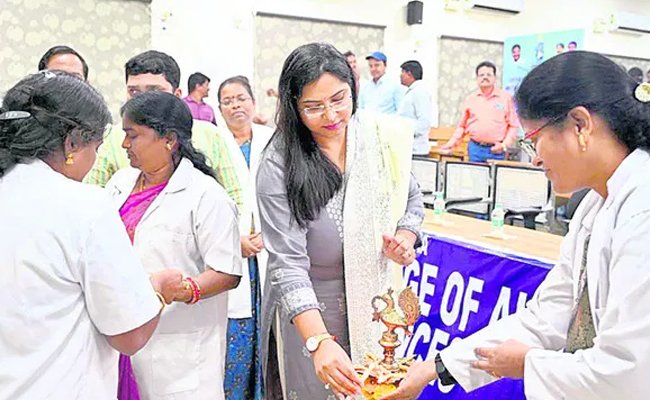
208,36
217,37
545,16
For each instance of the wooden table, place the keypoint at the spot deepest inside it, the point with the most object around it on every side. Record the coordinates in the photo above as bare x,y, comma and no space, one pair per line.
510,163
527,242
440,136
438,154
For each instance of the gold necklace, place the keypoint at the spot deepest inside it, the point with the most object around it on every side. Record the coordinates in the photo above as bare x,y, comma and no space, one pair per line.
141,183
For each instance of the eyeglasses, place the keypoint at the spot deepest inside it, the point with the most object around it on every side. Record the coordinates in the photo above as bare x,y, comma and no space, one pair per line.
230,101
528,135
525,143
336,106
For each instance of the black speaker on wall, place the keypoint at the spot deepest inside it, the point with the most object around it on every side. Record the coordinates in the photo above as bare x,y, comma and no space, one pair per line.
414,12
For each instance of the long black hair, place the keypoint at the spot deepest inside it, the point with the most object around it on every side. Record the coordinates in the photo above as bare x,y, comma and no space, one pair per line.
591,80
165,114
311,179
54,105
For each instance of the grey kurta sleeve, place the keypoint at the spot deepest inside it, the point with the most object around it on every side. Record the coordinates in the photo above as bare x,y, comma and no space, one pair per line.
288,264
414,214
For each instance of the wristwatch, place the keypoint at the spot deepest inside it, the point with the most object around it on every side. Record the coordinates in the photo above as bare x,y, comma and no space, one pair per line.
313,342
443,374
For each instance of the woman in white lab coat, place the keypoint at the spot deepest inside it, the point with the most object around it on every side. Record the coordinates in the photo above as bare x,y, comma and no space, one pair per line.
72,289
243,364
585,334
178,216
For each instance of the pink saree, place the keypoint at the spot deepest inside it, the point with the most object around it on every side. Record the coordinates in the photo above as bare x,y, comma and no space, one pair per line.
131,213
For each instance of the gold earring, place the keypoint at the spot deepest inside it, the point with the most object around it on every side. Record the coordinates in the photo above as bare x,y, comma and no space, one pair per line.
583,143
69,160
169,146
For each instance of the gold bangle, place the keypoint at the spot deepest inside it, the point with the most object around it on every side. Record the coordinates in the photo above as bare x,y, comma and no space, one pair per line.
162,301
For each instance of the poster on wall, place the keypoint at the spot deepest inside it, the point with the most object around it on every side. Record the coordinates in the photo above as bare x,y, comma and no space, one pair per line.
523,53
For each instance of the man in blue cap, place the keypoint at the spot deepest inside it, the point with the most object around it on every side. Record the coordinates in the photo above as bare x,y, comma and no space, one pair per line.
380,94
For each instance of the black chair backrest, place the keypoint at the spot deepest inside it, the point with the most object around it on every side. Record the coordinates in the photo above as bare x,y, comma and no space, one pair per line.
574,202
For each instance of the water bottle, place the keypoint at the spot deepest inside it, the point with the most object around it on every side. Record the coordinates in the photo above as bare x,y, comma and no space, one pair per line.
438,206
498,218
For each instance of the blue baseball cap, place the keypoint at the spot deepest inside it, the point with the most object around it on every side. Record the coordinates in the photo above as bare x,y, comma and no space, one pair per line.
378,55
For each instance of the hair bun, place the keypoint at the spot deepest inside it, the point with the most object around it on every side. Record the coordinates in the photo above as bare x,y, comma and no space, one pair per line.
642,92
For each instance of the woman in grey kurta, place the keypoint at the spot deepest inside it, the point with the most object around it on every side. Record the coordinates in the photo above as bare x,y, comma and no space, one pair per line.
307,269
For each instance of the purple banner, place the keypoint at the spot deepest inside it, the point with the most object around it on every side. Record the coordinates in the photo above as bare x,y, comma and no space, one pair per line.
462,288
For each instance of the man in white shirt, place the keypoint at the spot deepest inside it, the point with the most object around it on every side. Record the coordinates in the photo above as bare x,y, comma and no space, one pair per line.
416,105
380,94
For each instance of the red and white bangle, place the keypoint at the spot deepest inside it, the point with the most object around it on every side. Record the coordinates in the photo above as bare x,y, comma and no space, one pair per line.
196,290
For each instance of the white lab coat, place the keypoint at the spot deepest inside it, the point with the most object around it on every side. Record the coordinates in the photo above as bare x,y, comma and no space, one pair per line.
618,277
239,302
69,278
190,226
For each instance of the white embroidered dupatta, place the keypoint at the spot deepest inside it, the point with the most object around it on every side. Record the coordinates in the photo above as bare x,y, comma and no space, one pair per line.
379,156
